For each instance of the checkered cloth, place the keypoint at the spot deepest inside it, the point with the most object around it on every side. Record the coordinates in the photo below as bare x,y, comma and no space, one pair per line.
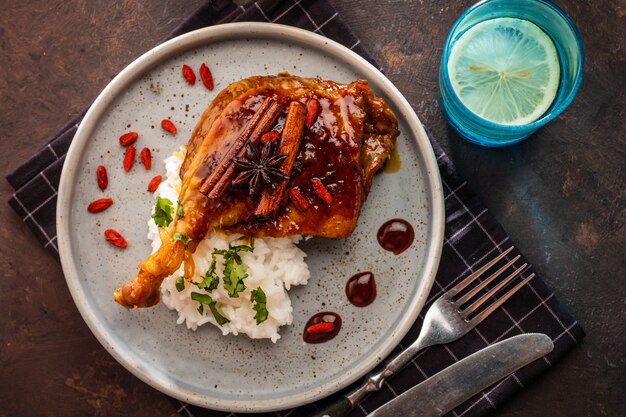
472,235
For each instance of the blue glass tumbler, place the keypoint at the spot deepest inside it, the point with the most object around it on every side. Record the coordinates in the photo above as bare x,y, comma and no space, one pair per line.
556,24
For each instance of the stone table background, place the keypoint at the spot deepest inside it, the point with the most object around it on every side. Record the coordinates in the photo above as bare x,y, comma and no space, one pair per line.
560,195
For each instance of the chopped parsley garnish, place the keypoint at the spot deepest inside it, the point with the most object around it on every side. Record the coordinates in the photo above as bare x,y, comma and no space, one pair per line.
183,238
260,305
163,210
234,274
234,270
206,299
243,248
209,279
180,284
181,211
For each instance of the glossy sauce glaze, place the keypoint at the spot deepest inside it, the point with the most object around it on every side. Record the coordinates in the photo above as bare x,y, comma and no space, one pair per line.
347,142
361,289
395,235
323,317
330,151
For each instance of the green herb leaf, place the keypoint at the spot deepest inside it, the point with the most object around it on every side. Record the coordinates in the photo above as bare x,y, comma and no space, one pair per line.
206,299
163,210
181,211
258,296
234,274
209,279
221,320
183,238
243,248
180,284
201,298
260,305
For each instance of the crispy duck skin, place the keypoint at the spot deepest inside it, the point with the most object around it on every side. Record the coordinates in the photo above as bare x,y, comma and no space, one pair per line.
348,142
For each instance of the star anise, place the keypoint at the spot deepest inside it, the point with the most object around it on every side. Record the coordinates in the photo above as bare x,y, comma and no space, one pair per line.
260,169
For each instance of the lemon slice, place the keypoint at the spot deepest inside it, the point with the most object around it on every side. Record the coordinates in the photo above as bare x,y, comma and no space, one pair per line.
505,70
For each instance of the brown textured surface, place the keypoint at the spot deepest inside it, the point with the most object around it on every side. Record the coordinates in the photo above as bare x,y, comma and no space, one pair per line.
561,195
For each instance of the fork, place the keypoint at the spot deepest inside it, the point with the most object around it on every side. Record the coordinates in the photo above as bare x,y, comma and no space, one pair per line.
448,319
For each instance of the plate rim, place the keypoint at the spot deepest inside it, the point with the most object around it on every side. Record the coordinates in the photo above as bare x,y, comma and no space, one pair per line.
184,43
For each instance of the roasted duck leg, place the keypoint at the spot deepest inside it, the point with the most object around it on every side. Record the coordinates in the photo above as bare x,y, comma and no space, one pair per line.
234,182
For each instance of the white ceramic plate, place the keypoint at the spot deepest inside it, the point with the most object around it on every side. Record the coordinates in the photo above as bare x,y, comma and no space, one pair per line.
236,373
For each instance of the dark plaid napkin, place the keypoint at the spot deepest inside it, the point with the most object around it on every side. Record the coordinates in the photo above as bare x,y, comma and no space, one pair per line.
472,235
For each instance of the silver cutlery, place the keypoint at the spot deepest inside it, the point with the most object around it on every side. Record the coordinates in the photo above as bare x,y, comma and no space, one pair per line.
450,317
462,380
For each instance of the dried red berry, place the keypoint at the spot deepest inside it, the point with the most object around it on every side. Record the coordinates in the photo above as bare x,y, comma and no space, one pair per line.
128,138
189,75
323,327
129,158
101,175
270,136
115,239
312,107
154,183
146,158
206,76
168,126
99,205
321,190
298,200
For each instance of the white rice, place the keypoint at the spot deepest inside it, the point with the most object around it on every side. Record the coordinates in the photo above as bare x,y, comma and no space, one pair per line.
275,265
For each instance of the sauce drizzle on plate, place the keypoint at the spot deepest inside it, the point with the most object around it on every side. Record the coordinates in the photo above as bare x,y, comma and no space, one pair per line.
396,235
312,336
361,289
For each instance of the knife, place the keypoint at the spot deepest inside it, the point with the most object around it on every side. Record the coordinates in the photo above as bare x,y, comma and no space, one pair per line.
462,380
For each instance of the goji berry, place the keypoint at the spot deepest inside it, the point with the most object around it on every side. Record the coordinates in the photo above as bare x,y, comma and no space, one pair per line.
323,327
154,183
312,107
129,158
146,158
99,205
168,126
101,175
206,76
270,136
321,190
189,75
128,138
115,239
299,200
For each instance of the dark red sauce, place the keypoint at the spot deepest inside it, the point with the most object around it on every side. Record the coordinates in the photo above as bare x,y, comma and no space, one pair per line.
327,317
396,235
361,289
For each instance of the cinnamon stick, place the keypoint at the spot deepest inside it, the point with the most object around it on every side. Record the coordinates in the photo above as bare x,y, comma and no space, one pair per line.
289,144
263,127
220,179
